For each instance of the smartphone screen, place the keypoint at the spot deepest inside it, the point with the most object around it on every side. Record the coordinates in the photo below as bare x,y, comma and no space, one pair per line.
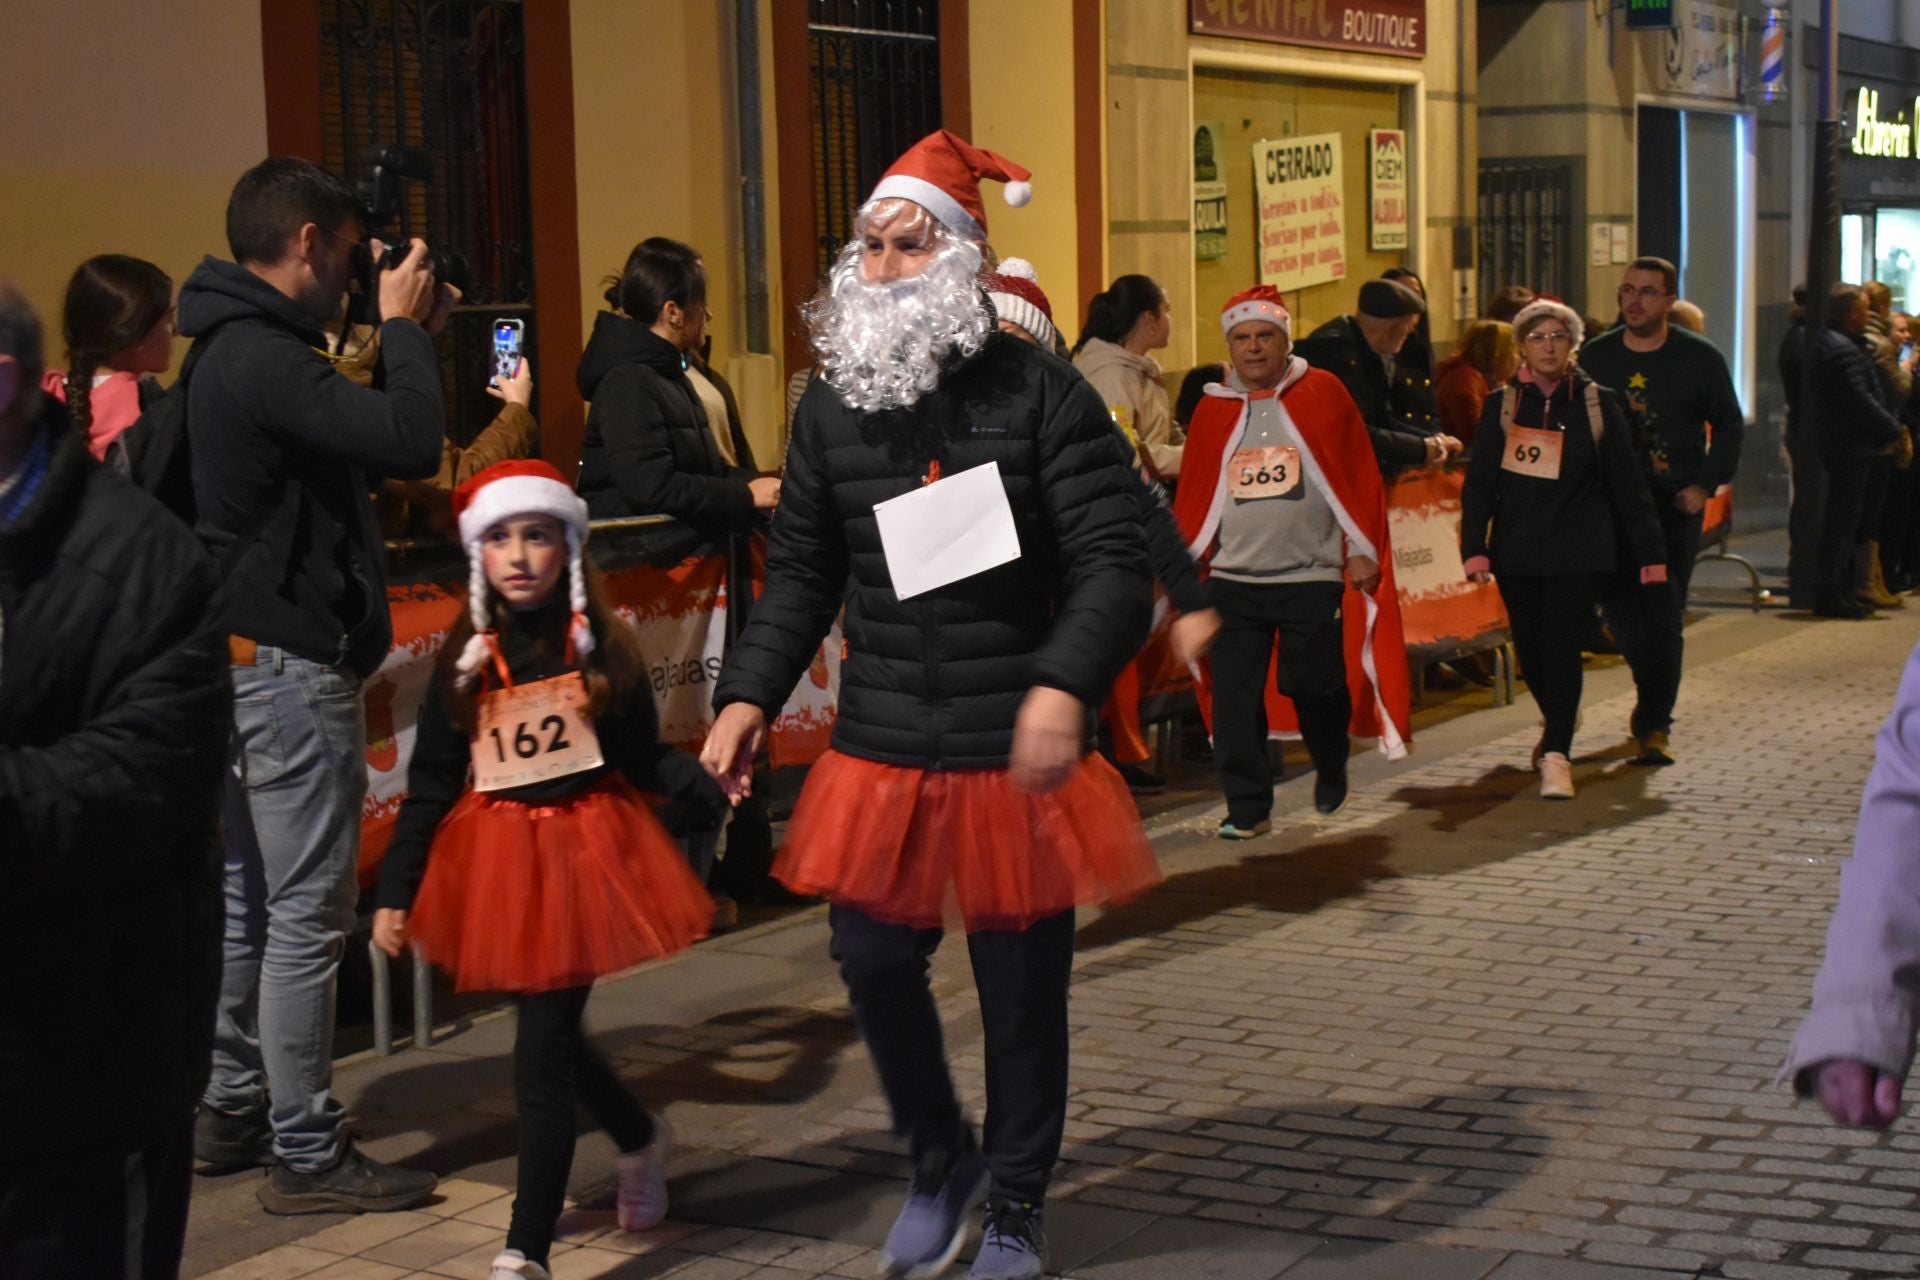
506,349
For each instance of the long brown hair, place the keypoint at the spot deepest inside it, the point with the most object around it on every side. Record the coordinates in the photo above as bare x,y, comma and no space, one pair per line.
113,301
615,673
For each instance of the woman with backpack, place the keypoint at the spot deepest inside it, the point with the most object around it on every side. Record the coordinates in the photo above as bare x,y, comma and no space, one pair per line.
1554,474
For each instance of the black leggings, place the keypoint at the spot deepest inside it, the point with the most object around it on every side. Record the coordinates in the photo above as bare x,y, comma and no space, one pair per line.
1550,617
554,1071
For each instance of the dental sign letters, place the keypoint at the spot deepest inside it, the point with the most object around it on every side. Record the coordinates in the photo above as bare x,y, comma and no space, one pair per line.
1396,27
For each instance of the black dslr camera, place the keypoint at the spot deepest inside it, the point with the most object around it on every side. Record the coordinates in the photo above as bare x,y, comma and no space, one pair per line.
385,173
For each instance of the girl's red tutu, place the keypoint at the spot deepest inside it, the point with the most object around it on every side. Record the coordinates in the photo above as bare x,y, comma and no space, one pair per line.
521,897
916,847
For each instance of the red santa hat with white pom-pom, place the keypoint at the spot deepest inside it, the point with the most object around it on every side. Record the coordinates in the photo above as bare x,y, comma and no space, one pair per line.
942,172
502,491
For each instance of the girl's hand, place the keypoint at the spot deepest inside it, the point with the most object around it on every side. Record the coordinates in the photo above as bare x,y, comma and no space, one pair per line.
390,930
731,745
1048,736
1856,1094
515,390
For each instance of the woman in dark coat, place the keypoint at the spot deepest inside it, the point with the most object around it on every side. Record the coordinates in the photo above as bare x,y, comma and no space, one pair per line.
650,448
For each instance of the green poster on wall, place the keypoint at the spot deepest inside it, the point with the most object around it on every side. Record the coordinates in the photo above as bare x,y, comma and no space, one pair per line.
1209,194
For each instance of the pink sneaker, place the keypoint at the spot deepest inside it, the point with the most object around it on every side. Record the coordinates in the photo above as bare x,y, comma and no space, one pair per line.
643,1183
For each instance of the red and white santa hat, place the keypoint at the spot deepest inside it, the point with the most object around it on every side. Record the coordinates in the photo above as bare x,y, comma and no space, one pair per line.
941,173
1548,307
1016,296
1262,302
528,487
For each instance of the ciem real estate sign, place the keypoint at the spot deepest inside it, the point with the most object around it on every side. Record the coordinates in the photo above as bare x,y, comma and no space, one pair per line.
1386,190
1302,219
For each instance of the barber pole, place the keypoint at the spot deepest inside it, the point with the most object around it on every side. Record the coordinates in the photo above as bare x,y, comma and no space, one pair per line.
1773,56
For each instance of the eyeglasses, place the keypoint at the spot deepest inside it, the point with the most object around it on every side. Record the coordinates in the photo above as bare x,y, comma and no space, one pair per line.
1548,339
1646,293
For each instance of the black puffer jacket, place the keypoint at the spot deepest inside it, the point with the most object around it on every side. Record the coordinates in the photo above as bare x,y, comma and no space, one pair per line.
1847,414
115,709
1339,347
936,681
648,449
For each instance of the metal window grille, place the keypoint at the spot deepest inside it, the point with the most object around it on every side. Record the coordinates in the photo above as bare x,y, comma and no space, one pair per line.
447,76
876,91
1526,228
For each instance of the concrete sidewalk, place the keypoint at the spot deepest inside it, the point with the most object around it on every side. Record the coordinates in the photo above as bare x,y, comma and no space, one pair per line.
1455,1031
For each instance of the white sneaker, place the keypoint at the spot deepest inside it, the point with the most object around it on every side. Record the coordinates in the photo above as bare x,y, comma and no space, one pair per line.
643,1183
1556,777
511,1264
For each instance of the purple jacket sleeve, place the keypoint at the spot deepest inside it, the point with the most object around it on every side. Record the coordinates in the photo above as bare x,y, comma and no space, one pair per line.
1865,999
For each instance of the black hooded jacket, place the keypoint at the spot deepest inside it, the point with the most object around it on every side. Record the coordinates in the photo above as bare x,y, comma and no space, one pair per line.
936,681
648,449
287,451
1339,347
115,709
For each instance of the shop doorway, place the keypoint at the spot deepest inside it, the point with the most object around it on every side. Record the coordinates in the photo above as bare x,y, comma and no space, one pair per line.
1696,210
1883,245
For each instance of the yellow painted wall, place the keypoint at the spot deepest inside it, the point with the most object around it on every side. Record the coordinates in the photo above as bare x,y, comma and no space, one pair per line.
1021,64
126,124
656,153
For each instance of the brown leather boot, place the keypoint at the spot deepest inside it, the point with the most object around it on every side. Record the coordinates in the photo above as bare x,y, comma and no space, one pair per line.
1875,591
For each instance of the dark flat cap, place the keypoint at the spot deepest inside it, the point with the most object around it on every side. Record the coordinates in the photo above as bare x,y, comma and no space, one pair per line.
1388,300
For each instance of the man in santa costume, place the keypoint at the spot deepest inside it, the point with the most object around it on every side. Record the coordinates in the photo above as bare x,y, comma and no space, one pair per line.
1281,497
962,495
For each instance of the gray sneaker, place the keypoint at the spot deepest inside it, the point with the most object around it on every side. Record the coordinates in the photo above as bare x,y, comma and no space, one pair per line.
933,1223
1015,1246
355,1184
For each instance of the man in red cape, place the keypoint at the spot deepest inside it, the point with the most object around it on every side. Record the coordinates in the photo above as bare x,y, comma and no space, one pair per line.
1281,498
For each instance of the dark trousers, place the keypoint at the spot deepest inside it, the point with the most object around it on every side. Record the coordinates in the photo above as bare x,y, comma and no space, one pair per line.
1849,482
555,1070
1312,670
1549,617
1649,624
1896,529
111,1218
1022,977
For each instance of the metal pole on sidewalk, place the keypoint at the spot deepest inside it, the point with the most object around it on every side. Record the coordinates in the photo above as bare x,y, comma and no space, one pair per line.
1823,268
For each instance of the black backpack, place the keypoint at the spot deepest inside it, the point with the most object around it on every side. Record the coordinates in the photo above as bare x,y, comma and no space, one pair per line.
156,455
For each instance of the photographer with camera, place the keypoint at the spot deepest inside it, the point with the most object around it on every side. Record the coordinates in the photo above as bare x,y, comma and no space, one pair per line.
283,454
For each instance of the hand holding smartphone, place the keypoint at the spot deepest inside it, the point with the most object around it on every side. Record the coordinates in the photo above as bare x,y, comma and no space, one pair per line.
508,378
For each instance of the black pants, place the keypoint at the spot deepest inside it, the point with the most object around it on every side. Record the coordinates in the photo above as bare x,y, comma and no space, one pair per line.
1849,481
1896,529
1549,617
1022,977
1311,670
554,1071
112,1218
1649,624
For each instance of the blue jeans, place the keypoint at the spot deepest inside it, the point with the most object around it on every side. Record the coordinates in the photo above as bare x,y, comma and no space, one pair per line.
298,779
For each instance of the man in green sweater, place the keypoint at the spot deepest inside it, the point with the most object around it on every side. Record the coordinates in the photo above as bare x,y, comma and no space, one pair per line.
1676,385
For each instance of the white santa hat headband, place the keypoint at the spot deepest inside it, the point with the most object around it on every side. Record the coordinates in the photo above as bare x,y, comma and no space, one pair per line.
508,489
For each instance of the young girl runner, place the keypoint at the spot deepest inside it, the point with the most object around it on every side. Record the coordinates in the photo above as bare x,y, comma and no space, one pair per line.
548,870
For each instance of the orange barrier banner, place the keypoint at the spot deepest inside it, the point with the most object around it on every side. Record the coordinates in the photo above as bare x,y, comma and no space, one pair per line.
1718,516
680,614
1439,608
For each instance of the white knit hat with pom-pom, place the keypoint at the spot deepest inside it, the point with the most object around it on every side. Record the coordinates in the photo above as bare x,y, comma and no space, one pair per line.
507,489
1018,299
1548,307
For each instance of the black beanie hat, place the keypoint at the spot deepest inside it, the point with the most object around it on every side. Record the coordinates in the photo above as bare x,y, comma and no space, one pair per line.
1389,300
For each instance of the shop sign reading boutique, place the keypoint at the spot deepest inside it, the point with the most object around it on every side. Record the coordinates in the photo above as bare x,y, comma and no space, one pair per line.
1397,27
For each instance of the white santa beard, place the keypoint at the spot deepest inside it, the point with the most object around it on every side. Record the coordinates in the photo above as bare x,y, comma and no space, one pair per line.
882,346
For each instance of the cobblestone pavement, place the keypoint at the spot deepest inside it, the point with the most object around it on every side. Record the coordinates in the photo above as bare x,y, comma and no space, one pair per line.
1454,1031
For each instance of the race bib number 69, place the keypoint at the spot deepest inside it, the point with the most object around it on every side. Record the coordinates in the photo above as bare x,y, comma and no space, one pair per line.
1533,452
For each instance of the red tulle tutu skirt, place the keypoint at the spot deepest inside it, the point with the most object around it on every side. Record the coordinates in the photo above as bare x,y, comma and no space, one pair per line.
922,848
523,897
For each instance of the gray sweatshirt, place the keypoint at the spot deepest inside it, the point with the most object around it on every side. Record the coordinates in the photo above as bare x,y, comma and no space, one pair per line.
1291,538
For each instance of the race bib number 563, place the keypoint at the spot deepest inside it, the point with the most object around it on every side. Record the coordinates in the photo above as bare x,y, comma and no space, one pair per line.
1269,472
533,732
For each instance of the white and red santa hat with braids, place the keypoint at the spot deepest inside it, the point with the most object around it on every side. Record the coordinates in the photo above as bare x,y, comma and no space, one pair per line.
524,488
942,172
